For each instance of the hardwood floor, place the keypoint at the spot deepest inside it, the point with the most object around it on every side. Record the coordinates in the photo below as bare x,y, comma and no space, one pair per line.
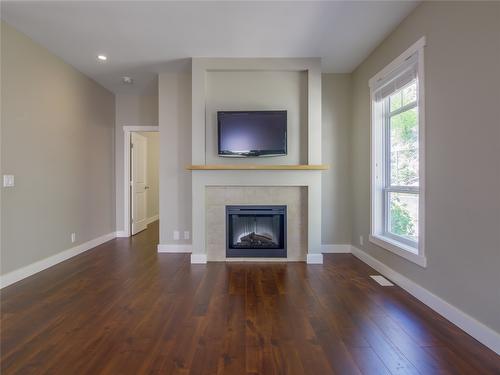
122,308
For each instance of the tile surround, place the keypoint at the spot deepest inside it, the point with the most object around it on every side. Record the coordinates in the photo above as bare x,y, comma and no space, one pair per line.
294,197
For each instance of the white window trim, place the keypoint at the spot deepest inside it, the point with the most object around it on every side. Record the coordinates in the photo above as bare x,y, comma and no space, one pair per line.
376,237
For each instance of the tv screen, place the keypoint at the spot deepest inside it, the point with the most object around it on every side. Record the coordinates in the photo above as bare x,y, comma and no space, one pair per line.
252,133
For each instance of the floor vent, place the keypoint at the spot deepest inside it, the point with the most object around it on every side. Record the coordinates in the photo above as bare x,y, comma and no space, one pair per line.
381,280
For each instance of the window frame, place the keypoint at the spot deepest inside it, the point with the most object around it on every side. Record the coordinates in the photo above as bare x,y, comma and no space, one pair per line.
380,184
388,187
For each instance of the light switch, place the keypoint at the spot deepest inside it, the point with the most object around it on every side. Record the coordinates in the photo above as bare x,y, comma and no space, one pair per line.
8,180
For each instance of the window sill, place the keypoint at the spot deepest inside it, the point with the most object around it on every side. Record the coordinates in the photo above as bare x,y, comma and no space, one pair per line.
400,249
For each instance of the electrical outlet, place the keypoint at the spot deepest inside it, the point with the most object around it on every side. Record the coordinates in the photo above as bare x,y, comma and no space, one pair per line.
8,180
73,237
186,235
177,235
361,240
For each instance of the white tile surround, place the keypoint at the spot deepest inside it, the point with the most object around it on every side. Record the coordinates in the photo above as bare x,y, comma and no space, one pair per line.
294,197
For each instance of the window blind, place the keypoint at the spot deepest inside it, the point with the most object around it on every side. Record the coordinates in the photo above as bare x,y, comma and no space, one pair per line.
396,79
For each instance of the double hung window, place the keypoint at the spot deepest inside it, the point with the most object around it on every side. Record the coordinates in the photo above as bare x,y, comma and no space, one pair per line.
397,155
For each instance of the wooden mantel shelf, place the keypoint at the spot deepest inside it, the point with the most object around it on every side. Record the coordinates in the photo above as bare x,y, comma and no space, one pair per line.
258,167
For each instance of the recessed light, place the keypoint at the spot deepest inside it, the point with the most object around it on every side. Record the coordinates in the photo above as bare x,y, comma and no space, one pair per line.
102,57
127,80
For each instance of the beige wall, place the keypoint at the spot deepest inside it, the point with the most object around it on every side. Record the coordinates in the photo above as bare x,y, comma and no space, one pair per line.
336,150
153,167
175,155
131,110
57,139
258,90
462,60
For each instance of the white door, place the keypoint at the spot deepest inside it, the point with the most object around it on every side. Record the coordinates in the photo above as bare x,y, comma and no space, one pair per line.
138,181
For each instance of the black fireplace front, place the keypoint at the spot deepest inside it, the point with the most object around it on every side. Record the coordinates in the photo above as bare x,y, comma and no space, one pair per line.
256,231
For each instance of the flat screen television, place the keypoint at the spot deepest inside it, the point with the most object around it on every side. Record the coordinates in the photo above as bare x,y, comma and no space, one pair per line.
252,133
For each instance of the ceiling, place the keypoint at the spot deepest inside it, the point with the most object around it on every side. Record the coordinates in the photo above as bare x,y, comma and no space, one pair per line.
143,38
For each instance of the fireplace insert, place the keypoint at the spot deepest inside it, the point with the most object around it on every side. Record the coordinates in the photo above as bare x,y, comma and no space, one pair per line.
256,231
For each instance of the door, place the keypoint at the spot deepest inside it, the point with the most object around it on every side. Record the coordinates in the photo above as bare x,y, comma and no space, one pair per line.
138,181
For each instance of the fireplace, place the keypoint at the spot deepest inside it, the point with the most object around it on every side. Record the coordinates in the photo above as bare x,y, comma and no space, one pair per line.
256,231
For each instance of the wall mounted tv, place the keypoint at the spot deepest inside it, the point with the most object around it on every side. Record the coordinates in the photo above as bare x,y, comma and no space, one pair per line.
252,133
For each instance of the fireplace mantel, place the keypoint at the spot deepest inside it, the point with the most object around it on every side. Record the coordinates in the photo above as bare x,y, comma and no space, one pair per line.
258,167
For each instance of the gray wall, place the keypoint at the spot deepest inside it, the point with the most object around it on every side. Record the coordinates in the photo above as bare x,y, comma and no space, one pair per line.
336,150
258,90
462,60
175,155
57,139
153,167
131,110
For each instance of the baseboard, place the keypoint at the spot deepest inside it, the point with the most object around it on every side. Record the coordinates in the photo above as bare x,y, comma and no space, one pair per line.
476,329
24,272
335,248
198,258
257,260
315,258
168,248
121,233
152,218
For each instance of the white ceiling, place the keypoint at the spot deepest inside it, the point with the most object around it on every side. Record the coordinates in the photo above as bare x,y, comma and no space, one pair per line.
142,38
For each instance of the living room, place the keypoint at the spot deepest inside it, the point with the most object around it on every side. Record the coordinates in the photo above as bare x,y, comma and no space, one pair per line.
250,187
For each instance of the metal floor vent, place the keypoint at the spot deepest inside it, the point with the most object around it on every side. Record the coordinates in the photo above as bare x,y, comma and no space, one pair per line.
381,280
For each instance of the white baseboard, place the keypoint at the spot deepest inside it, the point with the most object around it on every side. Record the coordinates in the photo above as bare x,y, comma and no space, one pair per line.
152,218
168,248
335,248
315,258
258,260
121,233
22,273
476,329
198,258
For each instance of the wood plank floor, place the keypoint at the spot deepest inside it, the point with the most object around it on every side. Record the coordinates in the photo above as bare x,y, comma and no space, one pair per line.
122,308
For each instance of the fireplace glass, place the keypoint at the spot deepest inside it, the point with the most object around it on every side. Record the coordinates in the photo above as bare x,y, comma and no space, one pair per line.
256,231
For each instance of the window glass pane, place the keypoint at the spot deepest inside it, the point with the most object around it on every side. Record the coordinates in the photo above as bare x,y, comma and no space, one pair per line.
409,93
404,148
403,215
395,101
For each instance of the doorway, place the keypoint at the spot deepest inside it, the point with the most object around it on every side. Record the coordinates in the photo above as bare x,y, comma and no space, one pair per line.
141,172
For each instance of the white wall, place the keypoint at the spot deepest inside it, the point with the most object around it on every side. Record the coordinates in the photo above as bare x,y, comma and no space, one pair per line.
131,110
57,139
462,60
258,90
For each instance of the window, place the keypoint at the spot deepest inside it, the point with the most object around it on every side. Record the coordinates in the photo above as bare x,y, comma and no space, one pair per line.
397,194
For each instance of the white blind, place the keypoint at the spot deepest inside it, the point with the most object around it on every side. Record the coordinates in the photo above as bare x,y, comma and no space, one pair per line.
397,79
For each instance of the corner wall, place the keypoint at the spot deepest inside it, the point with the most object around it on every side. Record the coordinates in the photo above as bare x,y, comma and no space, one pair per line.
57,139
336,151
175,155
462,60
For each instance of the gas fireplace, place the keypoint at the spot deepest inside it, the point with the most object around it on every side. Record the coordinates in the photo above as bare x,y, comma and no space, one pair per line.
256,231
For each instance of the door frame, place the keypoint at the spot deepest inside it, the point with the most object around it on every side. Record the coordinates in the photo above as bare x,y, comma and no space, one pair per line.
127,130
